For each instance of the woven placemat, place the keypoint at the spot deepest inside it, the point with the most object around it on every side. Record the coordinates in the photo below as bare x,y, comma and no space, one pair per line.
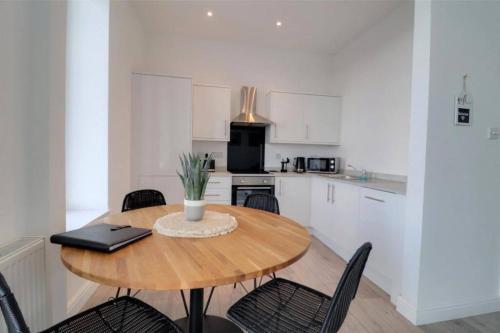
213,224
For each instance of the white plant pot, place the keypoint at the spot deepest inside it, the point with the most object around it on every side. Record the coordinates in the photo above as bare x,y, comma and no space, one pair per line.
194,209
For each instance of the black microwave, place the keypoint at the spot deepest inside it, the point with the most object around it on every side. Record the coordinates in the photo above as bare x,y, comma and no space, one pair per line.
323,164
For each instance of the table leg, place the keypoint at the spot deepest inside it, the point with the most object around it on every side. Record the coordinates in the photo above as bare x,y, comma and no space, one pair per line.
196,310
199,323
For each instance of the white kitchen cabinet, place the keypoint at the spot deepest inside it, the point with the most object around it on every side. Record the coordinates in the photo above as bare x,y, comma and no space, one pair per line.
161,131
381,223
344,226
321,207
161,123
304,118
218,190
334,214
322,119
211,112
286,113
293,193
344,216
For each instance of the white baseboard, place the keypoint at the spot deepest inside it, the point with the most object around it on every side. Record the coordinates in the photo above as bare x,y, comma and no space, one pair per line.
429,316
407,310
80,298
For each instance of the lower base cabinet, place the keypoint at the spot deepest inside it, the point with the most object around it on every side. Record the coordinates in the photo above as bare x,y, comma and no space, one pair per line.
381,223
218,190
344,216
293,194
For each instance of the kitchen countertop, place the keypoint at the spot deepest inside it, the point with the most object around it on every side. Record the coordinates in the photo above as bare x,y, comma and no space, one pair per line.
391,186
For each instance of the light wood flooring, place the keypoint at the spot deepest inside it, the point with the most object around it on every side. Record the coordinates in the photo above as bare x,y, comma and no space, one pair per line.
370,312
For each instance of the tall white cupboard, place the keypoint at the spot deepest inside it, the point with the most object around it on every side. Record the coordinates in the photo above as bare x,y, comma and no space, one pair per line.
161,131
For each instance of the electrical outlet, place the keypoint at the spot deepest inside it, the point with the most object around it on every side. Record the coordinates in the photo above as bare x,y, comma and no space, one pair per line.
493,133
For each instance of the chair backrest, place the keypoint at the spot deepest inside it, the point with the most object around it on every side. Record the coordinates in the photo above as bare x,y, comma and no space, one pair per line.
263,201
143,199
346,290
10,309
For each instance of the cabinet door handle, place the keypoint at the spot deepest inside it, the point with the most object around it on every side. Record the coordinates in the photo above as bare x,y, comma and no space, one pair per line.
214,182
212,195
307,131
281,187
374,199
225,128
328,193
333,194
275,130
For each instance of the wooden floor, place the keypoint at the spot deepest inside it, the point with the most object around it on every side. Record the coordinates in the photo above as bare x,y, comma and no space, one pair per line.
370,312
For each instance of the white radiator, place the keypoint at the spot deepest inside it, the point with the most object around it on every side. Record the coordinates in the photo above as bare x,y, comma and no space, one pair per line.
22,262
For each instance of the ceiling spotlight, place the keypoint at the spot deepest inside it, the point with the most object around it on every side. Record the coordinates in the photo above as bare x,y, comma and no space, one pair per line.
279,23
210,14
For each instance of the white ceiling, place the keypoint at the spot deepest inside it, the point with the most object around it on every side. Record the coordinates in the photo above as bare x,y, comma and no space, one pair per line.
321,26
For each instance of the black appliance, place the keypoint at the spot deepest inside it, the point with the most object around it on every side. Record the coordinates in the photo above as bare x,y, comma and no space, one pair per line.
211,164
299,164
323,164
245,150
284,164
243,186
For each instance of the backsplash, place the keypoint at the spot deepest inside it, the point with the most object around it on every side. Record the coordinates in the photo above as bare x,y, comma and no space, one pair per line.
274,152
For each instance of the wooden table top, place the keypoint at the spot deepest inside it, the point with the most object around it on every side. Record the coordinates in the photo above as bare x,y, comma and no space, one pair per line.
262,243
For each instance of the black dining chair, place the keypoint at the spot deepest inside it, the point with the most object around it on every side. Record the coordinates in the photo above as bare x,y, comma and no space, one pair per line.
261,201
142,199
124,314
285,306
265,202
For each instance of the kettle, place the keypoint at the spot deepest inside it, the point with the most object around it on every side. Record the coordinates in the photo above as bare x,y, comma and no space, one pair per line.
299,164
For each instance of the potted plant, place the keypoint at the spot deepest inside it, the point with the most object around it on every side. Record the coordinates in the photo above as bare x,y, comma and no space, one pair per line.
194,178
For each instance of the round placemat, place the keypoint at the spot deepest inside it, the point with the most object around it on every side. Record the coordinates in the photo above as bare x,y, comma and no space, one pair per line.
213,224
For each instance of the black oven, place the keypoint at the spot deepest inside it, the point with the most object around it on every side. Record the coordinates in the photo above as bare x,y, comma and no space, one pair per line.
243,186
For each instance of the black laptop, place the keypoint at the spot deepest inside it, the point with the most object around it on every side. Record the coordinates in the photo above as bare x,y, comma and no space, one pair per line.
101,237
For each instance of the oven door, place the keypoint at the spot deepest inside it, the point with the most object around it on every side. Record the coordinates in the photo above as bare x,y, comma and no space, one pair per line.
240,193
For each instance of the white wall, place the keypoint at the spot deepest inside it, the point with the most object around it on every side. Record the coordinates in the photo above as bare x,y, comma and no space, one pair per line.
32,110
373,76
126,39
235,65
14,105
87,105
458,263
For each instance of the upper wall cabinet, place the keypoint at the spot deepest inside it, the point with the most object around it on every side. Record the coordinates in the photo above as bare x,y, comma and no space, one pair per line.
211,112
304,118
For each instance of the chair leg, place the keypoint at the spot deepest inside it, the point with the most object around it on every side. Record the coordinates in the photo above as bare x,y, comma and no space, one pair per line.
243,286
234,287
208,301
255,283
117,292
274,275
184,302
129,291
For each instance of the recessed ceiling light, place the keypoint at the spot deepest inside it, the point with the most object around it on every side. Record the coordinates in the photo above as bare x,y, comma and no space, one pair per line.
279,23
210,14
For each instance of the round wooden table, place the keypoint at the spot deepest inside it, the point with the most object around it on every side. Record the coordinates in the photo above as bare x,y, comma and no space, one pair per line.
263,243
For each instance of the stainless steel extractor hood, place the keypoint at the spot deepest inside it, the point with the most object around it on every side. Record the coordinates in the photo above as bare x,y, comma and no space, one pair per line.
248,116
